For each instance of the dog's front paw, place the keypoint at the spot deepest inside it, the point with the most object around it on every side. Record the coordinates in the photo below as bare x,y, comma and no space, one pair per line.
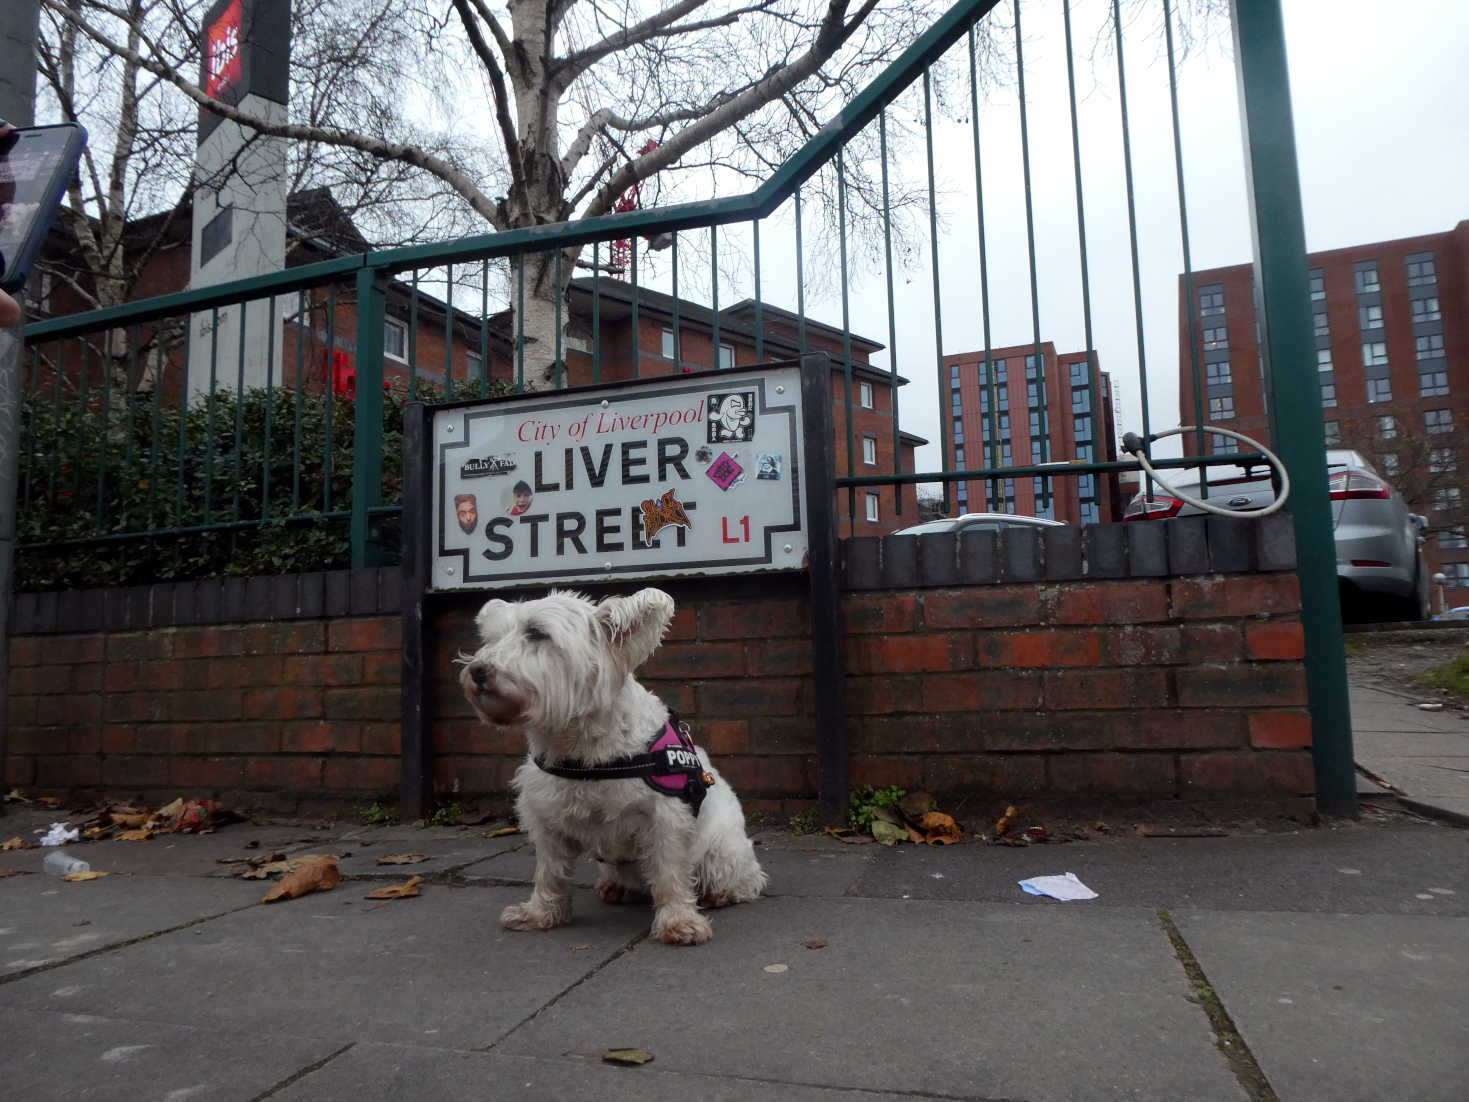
611,891
529,916
681,927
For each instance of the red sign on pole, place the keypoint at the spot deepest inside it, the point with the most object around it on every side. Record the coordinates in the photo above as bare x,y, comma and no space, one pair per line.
224,59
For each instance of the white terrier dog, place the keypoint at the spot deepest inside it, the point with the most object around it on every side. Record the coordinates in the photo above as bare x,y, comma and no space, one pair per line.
610,772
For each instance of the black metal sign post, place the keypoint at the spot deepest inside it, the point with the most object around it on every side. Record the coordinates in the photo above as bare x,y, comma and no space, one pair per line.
824,575
416,778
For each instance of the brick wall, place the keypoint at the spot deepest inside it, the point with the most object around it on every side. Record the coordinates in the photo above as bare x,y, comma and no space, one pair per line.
1161,661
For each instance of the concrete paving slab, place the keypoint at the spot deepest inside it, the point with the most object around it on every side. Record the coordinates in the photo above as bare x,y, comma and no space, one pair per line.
359,856
436,969
44,920
950,999
1350,868
398,1074
82,1056
1344,1007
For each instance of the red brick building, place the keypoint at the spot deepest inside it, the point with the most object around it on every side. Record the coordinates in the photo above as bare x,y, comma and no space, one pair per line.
988,391
1390,325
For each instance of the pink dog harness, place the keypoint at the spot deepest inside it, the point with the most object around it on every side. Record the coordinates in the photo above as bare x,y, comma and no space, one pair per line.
671,766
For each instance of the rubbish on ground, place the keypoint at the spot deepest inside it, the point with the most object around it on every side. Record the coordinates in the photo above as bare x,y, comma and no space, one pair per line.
939,829
406,890
502,832
59,835
60,863
319,874
267,865
1064,888
886,832
776,969
12,843
816,943
401,859
580,948
87,874
1431,707
630,1057
1005,820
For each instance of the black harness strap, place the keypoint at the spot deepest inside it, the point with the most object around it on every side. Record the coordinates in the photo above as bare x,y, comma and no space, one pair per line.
671,757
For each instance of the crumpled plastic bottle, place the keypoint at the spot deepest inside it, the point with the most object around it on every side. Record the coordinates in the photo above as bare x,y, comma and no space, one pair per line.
60,863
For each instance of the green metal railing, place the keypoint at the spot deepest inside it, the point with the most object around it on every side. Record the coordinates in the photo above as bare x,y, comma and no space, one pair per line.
299,457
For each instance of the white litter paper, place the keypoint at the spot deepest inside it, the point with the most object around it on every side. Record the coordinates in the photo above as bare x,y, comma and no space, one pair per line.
1064,888
59,835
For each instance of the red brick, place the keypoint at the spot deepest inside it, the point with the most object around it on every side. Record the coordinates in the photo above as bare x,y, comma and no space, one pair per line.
228,738
373,703
69,711
724,736
874,612
755,619
904,772
744,697
878,695
210,704
1275,640
383,738
142,739
1253,773
244,672
20,772
362,774
475,775
1139,774
986,607
697,660
1107,602
134,771
767,775
300,637
1084,689
62,650
1241,686
120,676
382,668
1008,775
282,704
684,626
978,692
462,737
1280,730
36,740
1159,729
25,650
1230,596
40,680
309,738
1171,644
142,646
299,774
383,633
1043,649
883,655
72,771
163,676
136,708
781,656
207,773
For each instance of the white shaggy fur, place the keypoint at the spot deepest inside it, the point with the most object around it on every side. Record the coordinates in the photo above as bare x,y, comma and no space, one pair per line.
562,667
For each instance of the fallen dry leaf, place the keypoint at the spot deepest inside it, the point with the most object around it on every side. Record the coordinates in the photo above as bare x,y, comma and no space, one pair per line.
264,868
939,829
816,943
90,874
319,875
1005,821
629,1056
49,801
580,948
13,843
849,836
401,859
502,832
397,891
135,835
129,820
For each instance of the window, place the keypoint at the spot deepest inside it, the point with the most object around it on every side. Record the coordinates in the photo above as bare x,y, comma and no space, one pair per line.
1328,393
1438,420
1222,445
1446,499
1429,346
1081,400
1215,339
1078,373
1366,275
1379,390
1318,284
1433,384
954,376
864,395
1442,460
669,349
1211,301
1221,409
1081,427
1218,374
475,363
1457,573
872,507
1451,539
869,451
1032,395
1333,432
958,457
1421,270
961,495
1030,367
1369,317
1374,354
956,404
395,340
958,432
1425,309
1001,372
1323,359
1089,513
1387,428
726,357
1390,466
1322,326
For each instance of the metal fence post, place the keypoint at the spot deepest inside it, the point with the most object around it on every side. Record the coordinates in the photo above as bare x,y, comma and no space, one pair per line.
415,799
367,428
1295,391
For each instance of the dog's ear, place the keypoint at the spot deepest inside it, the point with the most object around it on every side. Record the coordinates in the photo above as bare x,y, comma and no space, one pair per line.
493,620
634,626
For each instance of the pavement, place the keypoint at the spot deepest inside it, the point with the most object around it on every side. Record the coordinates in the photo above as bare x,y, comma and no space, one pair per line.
1272,961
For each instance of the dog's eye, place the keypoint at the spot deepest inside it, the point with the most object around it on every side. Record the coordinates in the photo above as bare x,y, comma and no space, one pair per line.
535,634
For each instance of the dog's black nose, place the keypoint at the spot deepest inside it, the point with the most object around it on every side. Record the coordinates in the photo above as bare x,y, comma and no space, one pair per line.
478,676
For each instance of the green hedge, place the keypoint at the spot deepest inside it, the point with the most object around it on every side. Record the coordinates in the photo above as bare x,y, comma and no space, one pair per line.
88,475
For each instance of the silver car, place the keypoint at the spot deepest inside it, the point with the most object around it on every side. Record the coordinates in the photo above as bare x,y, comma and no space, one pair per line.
978,522
1379,561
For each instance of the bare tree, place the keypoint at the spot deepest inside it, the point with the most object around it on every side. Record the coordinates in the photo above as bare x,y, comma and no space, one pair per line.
1419,467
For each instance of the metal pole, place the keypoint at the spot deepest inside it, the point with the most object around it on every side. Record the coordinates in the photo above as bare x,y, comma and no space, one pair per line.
416,779
1295,391
367,429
